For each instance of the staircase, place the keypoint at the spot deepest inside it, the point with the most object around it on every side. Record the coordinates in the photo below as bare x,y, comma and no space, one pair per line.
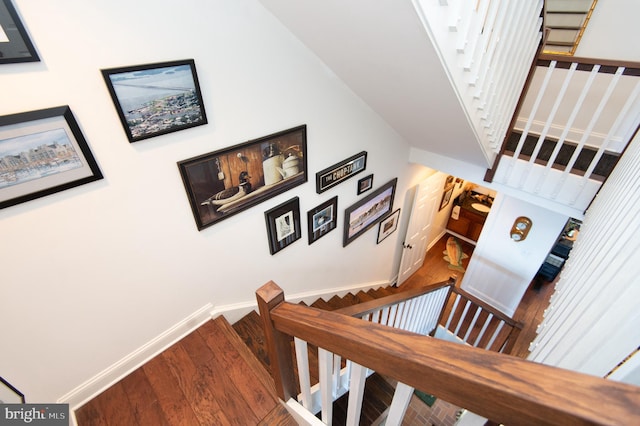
218,375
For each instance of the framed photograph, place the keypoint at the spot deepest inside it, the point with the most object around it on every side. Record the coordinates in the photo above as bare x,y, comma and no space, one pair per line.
15,45
365,184
388,225
42,152
9,394
339,172
322,219
368,211
283,224
446,197
225,182
156,99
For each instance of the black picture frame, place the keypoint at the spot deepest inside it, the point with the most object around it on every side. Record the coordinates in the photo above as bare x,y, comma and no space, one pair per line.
255,170
139,91
322,219
369,211
388,225
42,152
9,394
15,44
339,172
365,184
283,224
446,197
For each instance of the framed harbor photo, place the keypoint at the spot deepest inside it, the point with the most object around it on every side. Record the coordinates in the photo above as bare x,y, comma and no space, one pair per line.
283,224
42,152
156,99
15,45
369,211
322,219
222,183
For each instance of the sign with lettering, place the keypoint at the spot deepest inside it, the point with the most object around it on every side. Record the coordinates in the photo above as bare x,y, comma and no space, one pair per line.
331,176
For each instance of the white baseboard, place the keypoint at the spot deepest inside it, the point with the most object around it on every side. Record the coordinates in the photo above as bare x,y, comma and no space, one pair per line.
233,312
111,375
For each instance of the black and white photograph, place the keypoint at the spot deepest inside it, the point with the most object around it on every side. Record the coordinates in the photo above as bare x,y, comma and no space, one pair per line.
322,219
283,225
156,99
42,152
15,44
364,214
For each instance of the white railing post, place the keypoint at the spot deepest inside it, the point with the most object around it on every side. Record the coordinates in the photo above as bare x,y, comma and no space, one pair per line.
356,393
401,398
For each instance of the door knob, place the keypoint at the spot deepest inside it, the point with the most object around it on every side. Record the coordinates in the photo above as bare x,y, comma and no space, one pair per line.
409,246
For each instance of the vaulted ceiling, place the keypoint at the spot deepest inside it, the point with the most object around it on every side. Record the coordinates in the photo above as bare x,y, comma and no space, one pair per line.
383,53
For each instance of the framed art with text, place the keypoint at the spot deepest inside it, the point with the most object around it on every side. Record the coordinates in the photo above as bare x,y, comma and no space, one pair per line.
42,152
367,212
322,219
156,99
15,45
225,182
339,172
283,224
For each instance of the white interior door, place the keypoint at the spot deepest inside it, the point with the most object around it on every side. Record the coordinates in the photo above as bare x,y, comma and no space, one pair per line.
425,205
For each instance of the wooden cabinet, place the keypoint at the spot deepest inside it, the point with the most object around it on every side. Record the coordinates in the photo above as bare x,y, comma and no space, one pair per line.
468,224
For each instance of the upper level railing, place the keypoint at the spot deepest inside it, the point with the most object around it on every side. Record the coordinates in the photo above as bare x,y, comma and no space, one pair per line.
487,47
571,126
505,389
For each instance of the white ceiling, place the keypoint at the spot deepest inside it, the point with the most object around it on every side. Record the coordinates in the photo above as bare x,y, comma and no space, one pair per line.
382,52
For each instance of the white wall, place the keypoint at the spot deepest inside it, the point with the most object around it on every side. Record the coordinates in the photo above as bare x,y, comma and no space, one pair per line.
91,274
501,269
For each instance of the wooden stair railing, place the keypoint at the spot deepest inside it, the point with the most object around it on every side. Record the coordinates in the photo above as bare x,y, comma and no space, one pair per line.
505,389
421,309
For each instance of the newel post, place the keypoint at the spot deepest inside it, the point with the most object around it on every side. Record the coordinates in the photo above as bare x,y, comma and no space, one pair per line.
269,296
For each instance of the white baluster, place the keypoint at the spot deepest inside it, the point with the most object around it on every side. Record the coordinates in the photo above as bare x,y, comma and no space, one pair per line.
302,360
356,393
401,398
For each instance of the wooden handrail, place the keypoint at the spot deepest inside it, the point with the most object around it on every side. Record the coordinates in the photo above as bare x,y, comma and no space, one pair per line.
505,389
608,65
370,306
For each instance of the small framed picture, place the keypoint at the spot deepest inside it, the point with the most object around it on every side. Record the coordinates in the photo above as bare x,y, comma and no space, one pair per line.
365,184
446,197
9,394
388,226
42,152
322,219
156,99
283,224
15,45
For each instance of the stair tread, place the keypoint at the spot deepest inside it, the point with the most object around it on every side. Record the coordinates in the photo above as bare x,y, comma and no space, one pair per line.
278,416
250,330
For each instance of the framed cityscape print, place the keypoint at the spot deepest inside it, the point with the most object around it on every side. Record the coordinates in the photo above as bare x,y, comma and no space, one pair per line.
156,99
388,225
15,45
367,212
225,182
9,394
283,225
322,219
42,152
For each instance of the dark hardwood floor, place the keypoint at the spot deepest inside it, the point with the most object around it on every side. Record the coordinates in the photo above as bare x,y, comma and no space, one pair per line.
211,377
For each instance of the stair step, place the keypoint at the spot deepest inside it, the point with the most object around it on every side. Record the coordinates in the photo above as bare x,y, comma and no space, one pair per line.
322,304
278,416
363,297
251,332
